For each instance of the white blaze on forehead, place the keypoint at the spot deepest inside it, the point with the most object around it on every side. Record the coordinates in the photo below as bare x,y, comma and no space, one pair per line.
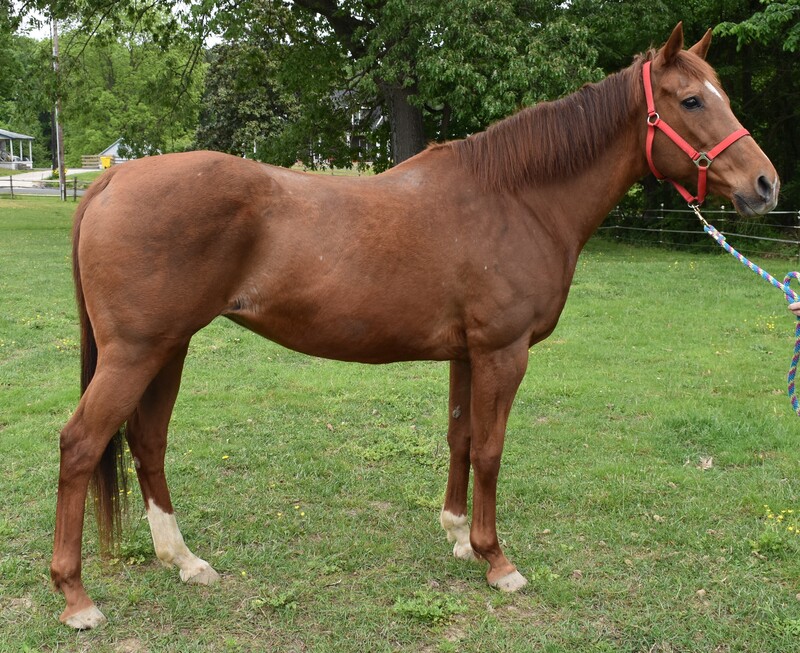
713,89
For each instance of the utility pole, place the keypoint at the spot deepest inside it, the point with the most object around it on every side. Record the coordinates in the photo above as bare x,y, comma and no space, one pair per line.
62,173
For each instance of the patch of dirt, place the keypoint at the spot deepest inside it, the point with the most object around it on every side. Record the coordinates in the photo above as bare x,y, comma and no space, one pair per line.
131,645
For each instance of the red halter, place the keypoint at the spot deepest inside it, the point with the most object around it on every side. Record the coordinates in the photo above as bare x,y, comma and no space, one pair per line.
702,160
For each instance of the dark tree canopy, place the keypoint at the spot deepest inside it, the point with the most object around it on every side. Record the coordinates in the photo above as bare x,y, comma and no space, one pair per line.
346,81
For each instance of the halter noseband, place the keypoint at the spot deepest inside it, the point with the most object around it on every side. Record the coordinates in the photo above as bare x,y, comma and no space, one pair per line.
702,160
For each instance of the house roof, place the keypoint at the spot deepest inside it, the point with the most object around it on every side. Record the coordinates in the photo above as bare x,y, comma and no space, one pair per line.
112,149
14,136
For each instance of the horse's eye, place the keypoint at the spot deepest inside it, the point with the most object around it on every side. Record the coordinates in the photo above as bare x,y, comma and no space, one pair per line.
691,103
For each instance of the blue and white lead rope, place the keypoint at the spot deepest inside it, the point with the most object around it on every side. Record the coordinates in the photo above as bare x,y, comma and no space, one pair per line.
791,296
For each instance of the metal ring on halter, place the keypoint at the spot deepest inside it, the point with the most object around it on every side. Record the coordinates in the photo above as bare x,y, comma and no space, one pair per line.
653,118
704,159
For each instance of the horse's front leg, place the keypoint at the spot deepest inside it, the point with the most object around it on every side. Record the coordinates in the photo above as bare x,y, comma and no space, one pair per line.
454,512
495,379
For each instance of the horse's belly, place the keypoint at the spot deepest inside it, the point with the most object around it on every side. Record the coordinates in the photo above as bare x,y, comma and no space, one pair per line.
343,332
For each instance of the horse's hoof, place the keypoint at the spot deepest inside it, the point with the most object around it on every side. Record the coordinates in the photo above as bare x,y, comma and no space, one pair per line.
510,582
203,575
464,552
86,619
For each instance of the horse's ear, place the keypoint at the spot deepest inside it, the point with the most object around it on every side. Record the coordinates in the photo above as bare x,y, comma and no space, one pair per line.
673,46
701,47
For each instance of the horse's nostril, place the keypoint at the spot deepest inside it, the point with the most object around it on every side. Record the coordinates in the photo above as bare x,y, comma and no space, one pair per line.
765,188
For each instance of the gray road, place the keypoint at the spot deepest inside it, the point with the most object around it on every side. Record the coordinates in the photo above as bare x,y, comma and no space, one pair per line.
30,183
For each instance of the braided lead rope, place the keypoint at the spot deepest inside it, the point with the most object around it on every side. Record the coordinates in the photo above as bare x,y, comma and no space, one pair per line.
791,296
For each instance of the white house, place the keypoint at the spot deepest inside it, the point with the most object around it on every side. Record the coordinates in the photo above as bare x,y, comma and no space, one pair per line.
8,158
113,151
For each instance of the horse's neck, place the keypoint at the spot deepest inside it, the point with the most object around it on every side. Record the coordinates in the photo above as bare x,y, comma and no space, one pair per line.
577,205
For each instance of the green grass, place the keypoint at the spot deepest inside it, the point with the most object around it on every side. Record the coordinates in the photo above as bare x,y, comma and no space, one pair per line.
84,179
87,177
7,172
313,487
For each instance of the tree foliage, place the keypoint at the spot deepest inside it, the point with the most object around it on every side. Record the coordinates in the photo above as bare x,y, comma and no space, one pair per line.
433,73
25,90
777,24
114,82
346,80
477,64
244,110
123,86
764,72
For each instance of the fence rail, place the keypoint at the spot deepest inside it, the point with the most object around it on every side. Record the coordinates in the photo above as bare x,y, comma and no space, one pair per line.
680,229
96,160
10,185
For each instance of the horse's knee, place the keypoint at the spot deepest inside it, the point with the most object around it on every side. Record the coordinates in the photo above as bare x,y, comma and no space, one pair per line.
483,462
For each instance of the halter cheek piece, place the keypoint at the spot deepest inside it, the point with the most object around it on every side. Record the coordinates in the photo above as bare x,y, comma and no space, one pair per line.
702,160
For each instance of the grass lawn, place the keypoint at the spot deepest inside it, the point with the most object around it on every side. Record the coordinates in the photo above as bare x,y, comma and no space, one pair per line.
7,172
650,443
84,179
87,177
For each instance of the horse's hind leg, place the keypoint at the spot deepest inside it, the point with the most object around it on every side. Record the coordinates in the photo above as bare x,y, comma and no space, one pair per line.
454,512
147,439
120,379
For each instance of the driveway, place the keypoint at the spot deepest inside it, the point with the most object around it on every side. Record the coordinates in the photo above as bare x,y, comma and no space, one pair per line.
30,183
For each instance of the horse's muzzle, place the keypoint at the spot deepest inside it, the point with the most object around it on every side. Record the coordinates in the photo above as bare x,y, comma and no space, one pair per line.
761,199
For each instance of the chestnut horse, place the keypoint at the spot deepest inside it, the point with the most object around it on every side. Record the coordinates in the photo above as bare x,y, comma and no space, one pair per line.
463,253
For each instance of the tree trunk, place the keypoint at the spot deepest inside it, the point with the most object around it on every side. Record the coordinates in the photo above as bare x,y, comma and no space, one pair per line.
405,120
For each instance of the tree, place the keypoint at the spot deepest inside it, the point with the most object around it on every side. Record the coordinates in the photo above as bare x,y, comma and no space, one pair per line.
769,84
25,88
435,73
244,110
123,86
113,83
777,23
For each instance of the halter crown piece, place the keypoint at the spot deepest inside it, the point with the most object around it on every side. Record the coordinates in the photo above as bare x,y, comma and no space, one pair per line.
702,160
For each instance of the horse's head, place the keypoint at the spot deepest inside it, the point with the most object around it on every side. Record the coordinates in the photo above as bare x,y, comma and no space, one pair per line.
691,125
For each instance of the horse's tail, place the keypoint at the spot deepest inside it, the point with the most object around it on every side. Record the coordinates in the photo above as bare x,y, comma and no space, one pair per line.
109,483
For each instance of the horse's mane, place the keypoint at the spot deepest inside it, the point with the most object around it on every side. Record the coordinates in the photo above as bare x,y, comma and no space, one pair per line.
560,138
